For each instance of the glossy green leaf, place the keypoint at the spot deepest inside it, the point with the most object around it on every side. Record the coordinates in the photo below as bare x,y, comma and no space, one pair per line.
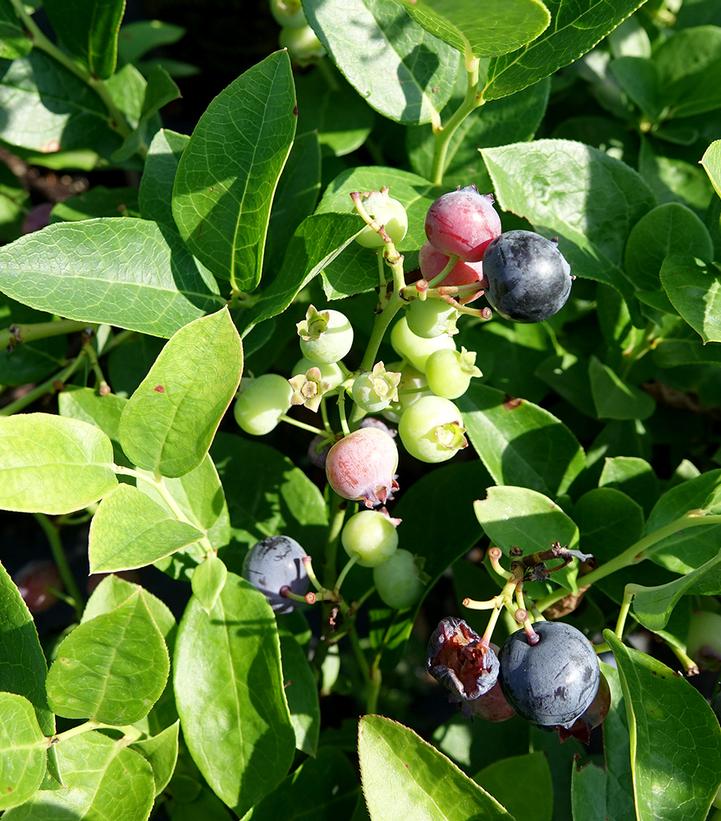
405,777
129,530
22,664
669,353
694,288
568,376
711,161
297,192
123,272
668,229
616,750
50,464
652,606
576,28
400,70
283,500
485,29
87,405
88,31
588,793
690,86
22,751
141,36
98,773
500,779
231,729
301,691
673,179
47,108
228,173
156,185
675,738
498,122
169,422
596,200
325,785
161,752
209,580
638,78
609,521
95,664
633,476
519,442
614,398
97,202
14,40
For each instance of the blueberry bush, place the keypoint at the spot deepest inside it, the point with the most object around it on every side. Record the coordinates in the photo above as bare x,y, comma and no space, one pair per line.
369,429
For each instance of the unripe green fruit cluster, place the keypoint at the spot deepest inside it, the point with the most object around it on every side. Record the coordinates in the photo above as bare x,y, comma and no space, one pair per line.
296,35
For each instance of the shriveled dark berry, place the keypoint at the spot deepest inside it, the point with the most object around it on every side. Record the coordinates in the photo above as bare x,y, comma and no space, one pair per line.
461,661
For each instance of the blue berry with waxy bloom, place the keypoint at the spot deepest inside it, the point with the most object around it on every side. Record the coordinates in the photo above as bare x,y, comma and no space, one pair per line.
528,278
274,564
461,661
553,682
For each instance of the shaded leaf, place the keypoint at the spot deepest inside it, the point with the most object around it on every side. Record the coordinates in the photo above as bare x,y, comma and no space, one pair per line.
161,752
500,780
614,398
22,751
694,289
302,694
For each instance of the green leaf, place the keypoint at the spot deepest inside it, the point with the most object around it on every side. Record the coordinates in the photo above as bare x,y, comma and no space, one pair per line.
484,29
169,422
500,780
50,464
498,122
13,201
568,376
690,86
638,78
88,31
576,29
138,38
652,606
296,196
94,664
399,69
99,201
98,773
673,179
596,200
161,752
405,777
668,229
22,664
49,109
14,41
609,521
120,272
88,406
521,443
670,353
283,498
156,184
633,476
22,751
326,785
129,530
675,738
230,697
614,399
209,580
302,694
616,750
694,288
228,173
588,793
711,161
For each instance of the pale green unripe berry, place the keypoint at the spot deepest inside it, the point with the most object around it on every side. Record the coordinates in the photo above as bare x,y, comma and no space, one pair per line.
386,212
375,390
398,581
303,46
325,336
432,429
370,537
415,348
261,403
331,374
432,317
288,13
449,373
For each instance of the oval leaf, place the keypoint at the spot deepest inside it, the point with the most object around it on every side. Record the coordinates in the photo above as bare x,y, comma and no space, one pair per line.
169,422
95,665
51,464
22,751
405,777
228,173
694,288
301,691
208,581
161,752
229,693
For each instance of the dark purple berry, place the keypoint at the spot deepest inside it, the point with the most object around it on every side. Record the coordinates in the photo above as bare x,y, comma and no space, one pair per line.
461,661
36,582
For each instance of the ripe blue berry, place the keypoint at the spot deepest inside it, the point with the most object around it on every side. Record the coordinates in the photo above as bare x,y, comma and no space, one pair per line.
553,682
528,278
273,564
460,660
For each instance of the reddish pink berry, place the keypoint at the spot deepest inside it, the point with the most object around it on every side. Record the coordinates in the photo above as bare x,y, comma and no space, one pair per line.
463,222
432,262
36,581
362,466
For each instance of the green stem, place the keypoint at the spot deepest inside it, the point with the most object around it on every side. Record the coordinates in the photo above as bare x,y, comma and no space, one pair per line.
623,612
130,733
344,572
637,552
374,688
17,334
49,386
302,425
335,526
443,136
66,574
